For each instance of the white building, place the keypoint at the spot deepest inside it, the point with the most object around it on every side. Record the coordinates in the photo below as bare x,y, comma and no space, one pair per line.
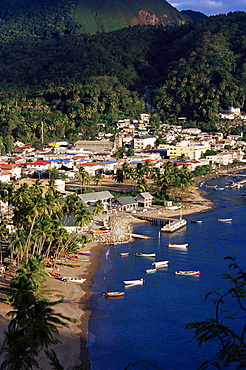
141,142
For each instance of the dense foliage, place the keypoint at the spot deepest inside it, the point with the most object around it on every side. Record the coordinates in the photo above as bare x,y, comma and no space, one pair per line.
71,82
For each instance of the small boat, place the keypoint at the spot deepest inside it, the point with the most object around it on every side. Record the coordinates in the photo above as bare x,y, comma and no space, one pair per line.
196,221
160,263
144,254
219,189
244,194
55,274
114,294
177,245
188,273
150,271
124,254
98,231
211,186
225,219
67,264
134,282
73,280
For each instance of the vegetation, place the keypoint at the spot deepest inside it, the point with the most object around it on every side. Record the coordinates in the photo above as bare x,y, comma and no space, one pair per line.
34,324
52,73
227,328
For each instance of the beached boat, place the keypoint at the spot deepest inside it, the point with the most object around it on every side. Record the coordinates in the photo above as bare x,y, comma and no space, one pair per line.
114,294
67,264
144,254
134,282
184,246
187,273
196,221
225,219
150,271
124,254
98,231
55,274
160,263
73,280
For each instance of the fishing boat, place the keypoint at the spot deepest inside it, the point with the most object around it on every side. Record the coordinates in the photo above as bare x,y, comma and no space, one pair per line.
150,271
196,221
134,282
225,219
170,245
188,273
73,280
124,254
98,231
114,294
55,274
144,254
160,263
67,264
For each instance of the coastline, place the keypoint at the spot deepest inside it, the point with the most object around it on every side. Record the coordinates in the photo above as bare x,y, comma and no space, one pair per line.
72,351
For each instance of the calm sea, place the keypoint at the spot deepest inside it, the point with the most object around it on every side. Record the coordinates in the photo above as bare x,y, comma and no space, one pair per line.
148,324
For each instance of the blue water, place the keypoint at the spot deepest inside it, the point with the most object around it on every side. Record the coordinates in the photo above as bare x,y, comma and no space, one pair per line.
149,322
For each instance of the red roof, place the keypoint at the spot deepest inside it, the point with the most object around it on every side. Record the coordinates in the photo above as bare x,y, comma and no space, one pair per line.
38,162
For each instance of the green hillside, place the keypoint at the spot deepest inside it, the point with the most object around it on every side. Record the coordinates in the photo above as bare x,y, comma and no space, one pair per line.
109,15
71,81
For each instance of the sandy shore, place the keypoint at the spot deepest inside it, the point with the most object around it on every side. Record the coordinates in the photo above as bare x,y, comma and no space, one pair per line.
73,351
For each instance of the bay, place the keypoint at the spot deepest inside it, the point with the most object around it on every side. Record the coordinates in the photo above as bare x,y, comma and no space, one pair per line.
148,324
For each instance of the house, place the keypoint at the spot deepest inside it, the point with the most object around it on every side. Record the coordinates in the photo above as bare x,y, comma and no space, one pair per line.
91,198
125,203
94,145
144,200
141,142
92,168
38,165
12,169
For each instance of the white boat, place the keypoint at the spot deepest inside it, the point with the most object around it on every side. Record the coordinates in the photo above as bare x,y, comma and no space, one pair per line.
73,280
225,219
134,282
144,255
188,273
150,271
170,245
160,263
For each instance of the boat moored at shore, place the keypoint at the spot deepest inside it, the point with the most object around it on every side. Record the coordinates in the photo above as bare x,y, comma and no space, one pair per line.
160,263
183,246
134,282
114,294
144,254
188,273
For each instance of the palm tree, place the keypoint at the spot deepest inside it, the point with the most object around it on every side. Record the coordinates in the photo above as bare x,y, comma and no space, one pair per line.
98,179
83,176
119,176
99,207
83,216
34,324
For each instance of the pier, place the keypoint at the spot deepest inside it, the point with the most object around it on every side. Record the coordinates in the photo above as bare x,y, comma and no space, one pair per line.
169,224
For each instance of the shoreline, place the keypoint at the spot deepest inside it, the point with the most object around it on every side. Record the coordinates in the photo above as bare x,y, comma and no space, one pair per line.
73,349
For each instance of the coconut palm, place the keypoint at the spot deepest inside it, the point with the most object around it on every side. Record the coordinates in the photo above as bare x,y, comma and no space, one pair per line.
34,323
99,207
83,176
119,176
98,179
83,216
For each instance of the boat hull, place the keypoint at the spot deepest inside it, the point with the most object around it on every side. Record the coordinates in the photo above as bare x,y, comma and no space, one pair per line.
160,264
177,245
134,282
187,273
144,254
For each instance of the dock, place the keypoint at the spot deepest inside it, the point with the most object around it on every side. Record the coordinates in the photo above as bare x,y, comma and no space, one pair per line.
169,224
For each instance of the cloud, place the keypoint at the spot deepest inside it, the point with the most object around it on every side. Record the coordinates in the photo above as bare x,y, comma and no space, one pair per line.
211,7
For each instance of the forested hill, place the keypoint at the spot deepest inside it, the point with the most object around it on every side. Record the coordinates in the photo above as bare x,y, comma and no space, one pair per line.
43,19
72,82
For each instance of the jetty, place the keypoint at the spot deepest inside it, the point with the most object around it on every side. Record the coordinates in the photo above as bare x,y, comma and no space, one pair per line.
169,224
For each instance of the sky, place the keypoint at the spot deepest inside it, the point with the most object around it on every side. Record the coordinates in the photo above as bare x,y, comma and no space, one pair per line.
210,7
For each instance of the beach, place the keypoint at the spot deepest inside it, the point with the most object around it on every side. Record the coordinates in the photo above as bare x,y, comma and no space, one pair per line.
72,350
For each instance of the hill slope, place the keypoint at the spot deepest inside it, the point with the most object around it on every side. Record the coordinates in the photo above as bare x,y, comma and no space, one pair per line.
43,19
109,15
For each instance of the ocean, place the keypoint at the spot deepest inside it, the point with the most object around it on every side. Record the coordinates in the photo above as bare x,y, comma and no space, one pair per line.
146,328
